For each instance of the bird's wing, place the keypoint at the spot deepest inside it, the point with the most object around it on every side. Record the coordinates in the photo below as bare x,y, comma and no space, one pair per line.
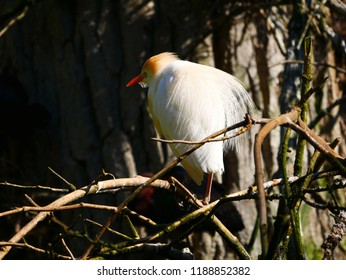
220,95
160,118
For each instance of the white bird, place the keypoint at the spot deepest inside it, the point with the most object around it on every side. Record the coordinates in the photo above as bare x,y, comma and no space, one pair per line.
190,101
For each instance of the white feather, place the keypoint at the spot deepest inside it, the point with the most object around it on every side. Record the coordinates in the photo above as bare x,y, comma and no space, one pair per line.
191,101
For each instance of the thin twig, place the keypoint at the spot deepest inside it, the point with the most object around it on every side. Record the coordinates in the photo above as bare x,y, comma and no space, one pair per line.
325,206
70,185
39,187
26,245
156,249
126,237
18,17
31,201
142,218
58,208
66,247
131,227
218,139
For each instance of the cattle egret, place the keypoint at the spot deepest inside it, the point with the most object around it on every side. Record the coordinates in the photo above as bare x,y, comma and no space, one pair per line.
189,101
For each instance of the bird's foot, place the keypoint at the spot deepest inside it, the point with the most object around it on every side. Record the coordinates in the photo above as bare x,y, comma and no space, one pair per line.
205,201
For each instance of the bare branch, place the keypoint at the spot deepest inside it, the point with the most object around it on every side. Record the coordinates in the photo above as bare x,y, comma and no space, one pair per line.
26,245
71,186
39,187
67,248
115,232
238,133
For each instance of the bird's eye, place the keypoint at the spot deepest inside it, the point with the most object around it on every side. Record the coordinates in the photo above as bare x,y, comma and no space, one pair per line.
143,84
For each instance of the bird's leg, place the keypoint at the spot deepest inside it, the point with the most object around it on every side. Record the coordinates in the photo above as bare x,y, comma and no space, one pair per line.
207,193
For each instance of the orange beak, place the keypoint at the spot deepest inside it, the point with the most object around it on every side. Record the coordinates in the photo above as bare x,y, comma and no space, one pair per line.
136,80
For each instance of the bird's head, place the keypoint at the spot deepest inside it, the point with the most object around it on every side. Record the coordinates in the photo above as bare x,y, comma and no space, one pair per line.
151,68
